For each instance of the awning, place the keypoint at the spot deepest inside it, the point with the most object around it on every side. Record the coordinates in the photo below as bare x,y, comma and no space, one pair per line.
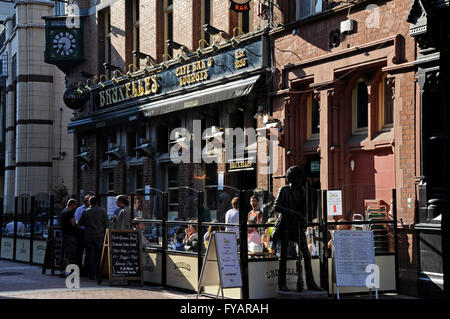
210,95
213,94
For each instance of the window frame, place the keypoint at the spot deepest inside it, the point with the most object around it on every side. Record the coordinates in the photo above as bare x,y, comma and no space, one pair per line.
312,11
355,129
309,108
168,29
382,126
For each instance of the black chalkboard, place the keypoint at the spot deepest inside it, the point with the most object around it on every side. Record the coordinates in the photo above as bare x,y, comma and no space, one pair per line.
54,251
122,249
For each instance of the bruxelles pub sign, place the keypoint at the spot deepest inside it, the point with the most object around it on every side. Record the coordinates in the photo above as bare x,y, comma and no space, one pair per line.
182,78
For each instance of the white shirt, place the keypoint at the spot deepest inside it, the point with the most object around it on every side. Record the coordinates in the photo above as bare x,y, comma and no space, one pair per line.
20,227
232,217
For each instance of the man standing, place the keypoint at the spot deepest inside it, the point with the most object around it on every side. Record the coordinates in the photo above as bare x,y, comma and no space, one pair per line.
124,218
291,225
95,221
80,234
69,233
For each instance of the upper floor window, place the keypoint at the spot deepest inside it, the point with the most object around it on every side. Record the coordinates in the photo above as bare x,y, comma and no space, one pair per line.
135,11
305,8
205,16
386,104
104,18
360,107
168,26
59,9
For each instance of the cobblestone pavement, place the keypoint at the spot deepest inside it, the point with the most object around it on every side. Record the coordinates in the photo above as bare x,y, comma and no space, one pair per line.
19,280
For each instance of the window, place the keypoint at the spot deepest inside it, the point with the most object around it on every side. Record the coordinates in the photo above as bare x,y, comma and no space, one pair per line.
104,17
205,16
360,107
109,143
136,30
244,21
172,188
168,26
386,104
131,143
59,9
313,117
305,8
162,135
110,181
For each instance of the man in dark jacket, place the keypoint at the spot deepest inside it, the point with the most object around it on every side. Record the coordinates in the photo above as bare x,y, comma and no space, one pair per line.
95,221
69,232
291,204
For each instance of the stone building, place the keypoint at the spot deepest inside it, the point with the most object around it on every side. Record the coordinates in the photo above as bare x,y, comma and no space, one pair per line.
36,151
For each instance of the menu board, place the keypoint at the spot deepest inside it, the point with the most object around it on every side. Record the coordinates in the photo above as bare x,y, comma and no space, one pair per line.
228,259
125,254
57,247
353,252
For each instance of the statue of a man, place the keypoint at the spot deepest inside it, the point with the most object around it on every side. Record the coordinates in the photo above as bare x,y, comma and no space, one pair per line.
291,225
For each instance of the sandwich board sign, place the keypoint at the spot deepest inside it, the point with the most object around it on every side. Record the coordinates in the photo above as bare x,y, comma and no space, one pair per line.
221,264
354,251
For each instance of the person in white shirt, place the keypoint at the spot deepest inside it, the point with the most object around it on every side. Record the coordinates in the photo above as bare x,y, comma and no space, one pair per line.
232,217
10,227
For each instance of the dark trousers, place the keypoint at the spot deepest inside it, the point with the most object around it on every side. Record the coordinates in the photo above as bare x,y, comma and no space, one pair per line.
300,238
81,246
94,251
70,250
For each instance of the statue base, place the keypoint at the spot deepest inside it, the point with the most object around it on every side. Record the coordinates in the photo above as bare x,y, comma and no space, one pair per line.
305,294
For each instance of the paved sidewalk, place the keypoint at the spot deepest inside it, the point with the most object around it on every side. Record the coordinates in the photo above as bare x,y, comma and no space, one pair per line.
19,280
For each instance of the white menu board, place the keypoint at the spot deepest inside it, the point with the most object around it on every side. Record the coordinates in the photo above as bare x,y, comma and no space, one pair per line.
228,259
111,205
353,252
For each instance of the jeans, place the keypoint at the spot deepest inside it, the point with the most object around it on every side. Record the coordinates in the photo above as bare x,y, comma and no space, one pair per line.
94,251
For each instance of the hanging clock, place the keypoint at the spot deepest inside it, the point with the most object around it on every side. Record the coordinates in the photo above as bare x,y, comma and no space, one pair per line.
64,45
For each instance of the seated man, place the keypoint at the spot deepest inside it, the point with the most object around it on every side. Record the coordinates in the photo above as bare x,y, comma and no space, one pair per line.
139,225
191,240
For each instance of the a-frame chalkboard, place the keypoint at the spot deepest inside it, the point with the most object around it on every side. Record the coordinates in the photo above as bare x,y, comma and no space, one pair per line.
121,256
53,259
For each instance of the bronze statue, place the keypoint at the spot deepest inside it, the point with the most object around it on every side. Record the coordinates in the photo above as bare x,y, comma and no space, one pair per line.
291,225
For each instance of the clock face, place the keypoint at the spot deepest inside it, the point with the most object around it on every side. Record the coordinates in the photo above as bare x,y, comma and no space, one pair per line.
64,43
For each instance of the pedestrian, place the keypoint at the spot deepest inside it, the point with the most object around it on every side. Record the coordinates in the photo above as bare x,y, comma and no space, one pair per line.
95,221
69,233
10,227
124,218
232,217
140,226
255,216
81,246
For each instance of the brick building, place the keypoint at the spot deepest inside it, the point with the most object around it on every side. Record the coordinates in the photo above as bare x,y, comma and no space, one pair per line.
335,78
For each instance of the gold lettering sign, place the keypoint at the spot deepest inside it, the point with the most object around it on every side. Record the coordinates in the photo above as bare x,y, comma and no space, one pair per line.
239,165
194,72
134,89
240,59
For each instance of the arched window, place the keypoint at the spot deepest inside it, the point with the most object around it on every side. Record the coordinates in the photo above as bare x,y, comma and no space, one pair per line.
385,104
360,107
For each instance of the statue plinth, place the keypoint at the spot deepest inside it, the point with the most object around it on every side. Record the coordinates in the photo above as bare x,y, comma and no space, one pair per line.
305,294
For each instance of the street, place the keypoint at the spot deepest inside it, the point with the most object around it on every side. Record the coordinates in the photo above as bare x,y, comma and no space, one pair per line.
24,281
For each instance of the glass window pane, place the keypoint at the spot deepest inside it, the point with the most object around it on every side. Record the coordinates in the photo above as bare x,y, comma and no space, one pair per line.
362,105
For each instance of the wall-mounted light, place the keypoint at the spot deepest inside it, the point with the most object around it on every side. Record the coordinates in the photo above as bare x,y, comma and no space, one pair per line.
111,67
352,165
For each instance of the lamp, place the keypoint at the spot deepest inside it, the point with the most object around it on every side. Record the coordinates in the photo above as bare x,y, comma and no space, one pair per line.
214,31
111,67
352,165
176,46
130,73
100,82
